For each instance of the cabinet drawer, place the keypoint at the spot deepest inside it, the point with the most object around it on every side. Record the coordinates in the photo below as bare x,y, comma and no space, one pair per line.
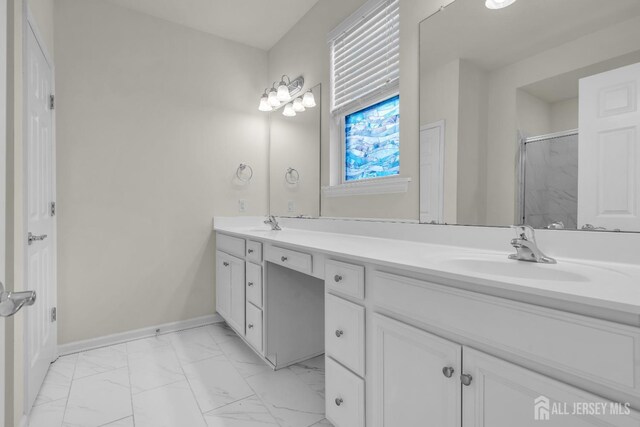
344,333
290,259
595,350
230,245
347,279
344,396
254,251
254,284
254,326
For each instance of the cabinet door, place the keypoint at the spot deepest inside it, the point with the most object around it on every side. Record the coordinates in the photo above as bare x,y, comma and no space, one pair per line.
411,385
223,284
505,395
237,291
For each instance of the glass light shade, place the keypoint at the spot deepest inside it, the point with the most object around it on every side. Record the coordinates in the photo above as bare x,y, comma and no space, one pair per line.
498,4
273,99
298,107
289,111
283,92
309,101
264,104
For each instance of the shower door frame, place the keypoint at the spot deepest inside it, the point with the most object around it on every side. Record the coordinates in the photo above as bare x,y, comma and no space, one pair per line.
520,211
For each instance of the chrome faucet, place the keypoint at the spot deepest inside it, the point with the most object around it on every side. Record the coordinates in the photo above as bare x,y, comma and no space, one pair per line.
526,247
273,222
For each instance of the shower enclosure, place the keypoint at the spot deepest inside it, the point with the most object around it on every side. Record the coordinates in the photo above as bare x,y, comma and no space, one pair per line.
549,180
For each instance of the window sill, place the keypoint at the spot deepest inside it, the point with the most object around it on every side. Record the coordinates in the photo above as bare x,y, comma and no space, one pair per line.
369,187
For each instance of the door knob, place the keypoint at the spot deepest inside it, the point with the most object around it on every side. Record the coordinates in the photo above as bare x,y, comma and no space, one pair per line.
337,278
284,259
250,325
339,401
12,302
250,251
339,333
448,371
466,379
250,284
34,238
226,264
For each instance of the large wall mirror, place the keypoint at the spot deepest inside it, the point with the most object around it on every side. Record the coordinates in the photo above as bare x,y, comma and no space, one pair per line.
294,162
529,114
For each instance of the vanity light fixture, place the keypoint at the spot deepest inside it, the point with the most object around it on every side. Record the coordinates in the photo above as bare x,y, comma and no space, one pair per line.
281,93
264,102
498,4
298,106
308,100
288,110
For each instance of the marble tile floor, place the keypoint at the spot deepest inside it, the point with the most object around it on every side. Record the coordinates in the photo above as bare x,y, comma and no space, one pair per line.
201,377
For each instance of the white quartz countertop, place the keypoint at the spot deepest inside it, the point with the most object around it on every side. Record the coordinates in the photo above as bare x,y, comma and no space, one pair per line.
608,286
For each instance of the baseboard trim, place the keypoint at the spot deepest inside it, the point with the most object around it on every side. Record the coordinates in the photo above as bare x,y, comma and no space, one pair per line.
78,346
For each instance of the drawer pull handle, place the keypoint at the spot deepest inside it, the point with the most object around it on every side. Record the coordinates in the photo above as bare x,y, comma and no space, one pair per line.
448,371
226,264
250,284
339,401
250,251
466,379
337,278
339,333
284,259
250,325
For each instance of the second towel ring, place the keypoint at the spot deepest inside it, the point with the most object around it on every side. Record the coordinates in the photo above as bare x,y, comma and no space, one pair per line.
241,169
292,176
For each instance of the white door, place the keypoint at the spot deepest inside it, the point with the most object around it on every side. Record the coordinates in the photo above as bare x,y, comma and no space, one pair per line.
3,185
416,377
432,172
505,395
40,337
609,150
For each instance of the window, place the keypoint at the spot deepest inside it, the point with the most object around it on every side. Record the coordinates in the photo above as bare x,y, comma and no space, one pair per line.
372,141
365,72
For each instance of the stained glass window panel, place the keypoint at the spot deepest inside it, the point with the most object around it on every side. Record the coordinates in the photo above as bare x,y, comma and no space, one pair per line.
372,138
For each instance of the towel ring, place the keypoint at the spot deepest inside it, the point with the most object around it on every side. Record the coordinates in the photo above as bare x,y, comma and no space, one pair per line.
241,169
292,176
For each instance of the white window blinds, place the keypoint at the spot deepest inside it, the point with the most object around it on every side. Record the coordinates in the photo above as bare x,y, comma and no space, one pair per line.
365,53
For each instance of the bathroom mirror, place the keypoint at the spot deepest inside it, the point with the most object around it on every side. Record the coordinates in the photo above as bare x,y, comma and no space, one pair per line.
294,163
529,114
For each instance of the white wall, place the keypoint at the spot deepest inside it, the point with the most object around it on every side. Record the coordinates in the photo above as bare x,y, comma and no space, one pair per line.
152,121
304,50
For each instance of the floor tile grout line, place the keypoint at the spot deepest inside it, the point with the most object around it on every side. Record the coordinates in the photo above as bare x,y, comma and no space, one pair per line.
66,405
230,403
133,411
204,420
115,421
245,380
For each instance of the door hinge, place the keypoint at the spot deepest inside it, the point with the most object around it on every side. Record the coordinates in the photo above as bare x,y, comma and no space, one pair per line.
52,208
54,314
52,102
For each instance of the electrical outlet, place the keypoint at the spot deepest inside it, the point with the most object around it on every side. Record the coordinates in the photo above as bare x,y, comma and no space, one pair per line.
242,205
291,207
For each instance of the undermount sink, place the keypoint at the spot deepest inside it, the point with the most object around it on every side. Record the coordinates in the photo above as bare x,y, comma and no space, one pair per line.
562,272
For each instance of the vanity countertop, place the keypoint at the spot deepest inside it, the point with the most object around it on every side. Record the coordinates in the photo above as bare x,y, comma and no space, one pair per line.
594,285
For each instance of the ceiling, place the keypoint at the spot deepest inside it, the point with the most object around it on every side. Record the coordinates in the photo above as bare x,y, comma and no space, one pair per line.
495,38
243,21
